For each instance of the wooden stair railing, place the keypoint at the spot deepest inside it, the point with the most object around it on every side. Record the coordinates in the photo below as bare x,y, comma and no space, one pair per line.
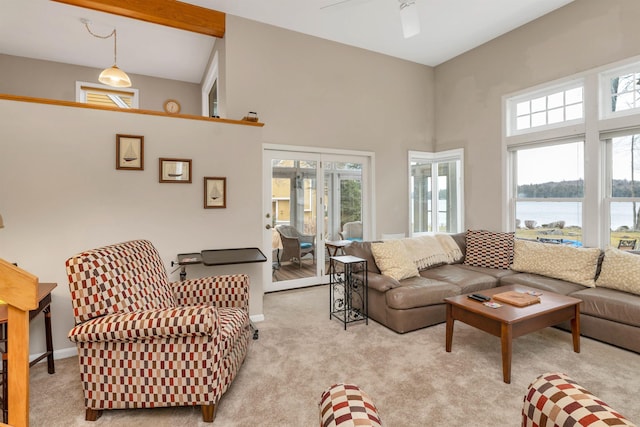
19,289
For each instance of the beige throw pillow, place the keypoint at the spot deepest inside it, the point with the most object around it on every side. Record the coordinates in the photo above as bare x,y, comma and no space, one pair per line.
576,265
393,260
621,271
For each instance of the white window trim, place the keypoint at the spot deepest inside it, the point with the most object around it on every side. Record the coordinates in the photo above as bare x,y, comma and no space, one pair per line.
512,172
210,78
442,156
81,95
527,95
595,213
605,94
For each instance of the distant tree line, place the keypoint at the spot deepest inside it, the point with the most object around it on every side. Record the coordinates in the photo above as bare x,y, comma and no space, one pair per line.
575,188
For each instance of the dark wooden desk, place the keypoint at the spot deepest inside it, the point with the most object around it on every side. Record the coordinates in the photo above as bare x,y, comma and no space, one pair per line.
232,256
44,305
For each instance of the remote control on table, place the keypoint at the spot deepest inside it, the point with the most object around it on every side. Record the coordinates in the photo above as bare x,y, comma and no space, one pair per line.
480,297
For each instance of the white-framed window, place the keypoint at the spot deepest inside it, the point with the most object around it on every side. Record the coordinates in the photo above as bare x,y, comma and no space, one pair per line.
547,108
590,162
210,89
622,186
107,96
620,91
436,192
548,191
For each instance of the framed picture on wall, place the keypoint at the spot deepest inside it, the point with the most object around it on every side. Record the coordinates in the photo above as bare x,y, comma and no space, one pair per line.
215,192
130,152
175,170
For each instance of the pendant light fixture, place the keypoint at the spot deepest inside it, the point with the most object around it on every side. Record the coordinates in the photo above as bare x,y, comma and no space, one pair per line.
409,18
113,76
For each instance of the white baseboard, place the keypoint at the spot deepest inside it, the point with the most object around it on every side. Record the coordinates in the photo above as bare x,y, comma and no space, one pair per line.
63,353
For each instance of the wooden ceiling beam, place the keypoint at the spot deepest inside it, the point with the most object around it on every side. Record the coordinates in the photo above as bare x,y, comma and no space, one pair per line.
171,13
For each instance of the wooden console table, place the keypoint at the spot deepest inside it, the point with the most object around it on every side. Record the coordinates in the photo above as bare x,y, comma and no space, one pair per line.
44,305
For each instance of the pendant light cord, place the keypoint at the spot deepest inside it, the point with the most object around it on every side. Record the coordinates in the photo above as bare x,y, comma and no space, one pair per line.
115,40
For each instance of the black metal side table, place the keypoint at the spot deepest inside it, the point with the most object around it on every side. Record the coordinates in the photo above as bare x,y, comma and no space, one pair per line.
348,289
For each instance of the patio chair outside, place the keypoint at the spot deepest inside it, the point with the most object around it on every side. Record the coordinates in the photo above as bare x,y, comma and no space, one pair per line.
352,231
627,244
295,244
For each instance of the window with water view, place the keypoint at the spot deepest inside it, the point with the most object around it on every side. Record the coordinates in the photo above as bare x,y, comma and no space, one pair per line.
623,189
550,191
577,181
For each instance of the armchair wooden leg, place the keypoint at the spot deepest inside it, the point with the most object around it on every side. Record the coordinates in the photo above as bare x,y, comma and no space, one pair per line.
208,413
92,414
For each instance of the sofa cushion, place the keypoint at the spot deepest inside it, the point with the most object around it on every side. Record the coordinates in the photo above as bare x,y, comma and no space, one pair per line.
494,272
620,270
576,265
610,304
419,292
393,259
489,249
541,282
467,280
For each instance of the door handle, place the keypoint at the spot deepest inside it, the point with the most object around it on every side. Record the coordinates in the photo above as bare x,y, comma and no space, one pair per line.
268,226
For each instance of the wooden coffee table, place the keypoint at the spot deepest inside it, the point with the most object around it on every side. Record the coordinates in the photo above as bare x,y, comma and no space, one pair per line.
509,322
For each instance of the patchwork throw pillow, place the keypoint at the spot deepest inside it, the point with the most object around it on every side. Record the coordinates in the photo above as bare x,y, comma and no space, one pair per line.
489,249
621,271
393,260
576,265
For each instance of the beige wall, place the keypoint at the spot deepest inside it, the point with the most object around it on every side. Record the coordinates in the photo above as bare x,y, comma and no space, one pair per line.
54,80
61,194
313,92
469,89
65,194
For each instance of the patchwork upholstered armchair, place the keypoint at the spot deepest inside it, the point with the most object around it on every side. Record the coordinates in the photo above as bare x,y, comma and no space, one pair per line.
144,342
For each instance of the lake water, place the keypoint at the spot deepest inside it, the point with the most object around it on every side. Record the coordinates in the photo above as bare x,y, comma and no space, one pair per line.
570,213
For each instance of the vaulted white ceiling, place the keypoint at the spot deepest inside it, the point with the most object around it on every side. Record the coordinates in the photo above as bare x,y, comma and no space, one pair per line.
53,31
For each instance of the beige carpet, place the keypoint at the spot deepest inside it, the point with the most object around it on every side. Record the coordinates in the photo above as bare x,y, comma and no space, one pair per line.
411,378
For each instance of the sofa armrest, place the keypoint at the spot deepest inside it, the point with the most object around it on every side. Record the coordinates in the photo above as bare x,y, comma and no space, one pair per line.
229,291
382,283
141,325
555,399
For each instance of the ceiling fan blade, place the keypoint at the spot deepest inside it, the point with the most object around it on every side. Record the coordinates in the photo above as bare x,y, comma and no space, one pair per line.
338,3
334,4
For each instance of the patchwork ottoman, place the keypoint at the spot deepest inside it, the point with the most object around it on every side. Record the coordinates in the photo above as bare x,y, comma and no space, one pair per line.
554,399
346,405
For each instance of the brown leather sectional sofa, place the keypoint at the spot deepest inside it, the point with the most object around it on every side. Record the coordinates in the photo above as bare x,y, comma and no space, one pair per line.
607,315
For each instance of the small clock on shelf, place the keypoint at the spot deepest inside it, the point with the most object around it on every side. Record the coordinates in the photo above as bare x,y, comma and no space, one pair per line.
172,106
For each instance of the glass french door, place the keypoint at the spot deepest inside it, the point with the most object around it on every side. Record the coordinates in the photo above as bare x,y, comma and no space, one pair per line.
308,197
